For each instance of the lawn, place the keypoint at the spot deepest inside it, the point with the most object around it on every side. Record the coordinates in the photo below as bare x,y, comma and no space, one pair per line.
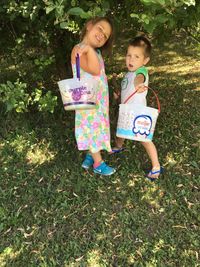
52,213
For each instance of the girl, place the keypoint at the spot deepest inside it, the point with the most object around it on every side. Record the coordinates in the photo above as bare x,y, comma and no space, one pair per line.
92,127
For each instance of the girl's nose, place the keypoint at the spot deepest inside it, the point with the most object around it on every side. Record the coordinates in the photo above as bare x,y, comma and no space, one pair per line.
101,35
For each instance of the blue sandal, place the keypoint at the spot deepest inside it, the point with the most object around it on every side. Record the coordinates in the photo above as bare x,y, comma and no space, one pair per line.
117,150
154,172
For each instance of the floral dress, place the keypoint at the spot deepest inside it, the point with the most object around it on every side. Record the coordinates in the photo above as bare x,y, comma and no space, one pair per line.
92,126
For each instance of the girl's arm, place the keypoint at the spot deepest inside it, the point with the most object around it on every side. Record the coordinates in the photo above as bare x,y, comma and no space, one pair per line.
139,83
89,61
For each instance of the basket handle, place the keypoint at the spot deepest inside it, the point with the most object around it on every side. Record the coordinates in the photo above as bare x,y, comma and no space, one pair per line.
147,87
78,67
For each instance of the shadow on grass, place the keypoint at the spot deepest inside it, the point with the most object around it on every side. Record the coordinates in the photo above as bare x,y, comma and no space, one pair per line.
55,214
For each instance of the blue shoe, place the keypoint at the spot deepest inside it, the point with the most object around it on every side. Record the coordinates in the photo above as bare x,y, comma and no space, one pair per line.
152,179
88,162
104,169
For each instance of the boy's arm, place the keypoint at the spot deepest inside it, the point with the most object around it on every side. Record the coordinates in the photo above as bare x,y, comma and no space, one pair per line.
139,83
141,75
89,61
116,91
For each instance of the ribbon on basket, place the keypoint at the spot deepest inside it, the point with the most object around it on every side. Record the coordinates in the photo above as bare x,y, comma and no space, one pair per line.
78,67
147,87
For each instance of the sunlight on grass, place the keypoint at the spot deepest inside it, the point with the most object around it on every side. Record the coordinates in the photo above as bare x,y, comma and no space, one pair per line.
94,259
159,245
7,254
179,68
39,155
100,236
19,143
34,153
131,183
170,160
12,67
189,253
152,196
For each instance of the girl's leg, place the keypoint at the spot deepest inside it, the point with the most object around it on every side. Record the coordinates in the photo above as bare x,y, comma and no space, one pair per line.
153,155
97,158
100,166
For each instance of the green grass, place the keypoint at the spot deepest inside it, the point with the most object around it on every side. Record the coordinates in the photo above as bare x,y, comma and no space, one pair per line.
52,213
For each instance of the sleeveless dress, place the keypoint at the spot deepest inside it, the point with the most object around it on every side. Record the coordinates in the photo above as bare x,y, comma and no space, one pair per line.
92,127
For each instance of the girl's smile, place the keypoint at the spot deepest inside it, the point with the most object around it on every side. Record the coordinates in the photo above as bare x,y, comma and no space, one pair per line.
98,34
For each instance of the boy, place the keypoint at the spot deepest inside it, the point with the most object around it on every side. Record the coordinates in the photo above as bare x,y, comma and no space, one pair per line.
136,79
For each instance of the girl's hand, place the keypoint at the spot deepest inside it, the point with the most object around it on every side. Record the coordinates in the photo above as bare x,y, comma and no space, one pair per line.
82,49
89,60
140,88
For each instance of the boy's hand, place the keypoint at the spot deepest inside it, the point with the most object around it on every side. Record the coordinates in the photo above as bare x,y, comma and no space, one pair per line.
140,88
116,94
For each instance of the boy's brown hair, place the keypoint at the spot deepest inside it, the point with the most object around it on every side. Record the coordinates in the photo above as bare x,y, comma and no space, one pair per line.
143,42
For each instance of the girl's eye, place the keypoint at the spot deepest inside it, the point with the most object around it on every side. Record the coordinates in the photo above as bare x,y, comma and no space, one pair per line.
100,29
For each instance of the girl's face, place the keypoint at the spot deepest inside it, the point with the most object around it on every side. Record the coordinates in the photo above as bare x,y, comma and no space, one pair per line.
98,34
135,58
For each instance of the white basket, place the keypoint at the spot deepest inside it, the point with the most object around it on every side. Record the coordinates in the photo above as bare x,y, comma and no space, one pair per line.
78,94
136,122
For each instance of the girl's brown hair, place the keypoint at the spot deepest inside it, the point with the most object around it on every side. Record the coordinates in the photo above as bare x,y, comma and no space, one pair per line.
107,47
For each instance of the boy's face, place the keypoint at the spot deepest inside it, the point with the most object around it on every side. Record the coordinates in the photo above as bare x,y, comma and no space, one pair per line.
135,58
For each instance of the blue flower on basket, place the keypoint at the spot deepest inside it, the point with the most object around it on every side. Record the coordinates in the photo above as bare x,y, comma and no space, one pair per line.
142,125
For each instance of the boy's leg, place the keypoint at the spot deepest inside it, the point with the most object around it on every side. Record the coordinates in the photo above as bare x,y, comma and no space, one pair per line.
118,145
153,155
119,142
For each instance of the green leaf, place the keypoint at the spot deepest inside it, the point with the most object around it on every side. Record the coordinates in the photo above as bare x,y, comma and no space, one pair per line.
133,15
63,25
76,11
195,164
49,9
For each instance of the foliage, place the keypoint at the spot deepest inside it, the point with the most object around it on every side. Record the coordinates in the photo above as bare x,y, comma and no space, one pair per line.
41,33
170,15
15,97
